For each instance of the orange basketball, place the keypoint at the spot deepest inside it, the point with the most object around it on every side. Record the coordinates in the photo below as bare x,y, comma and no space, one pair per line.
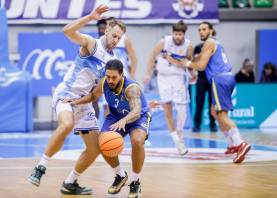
111,143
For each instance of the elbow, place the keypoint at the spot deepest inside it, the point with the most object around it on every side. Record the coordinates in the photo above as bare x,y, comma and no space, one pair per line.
66,30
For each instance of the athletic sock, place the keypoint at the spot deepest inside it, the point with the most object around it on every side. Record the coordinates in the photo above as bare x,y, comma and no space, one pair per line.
43,160
119,171
235,135
73,175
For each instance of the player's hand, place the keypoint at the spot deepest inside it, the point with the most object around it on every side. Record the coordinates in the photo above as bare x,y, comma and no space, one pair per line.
154,104
96,14
66,100
70,101
120,125
186,62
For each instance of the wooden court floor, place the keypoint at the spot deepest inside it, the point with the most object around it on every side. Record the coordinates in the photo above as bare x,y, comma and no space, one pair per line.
257,179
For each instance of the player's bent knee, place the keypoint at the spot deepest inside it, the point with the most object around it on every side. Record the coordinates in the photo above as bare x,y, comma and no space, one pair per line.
65,128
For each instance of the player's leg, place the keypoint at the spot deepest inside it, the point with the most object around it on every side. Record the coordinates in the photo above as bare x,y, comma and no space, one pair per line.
87,127
121,176
166,95
88,156
65,126
222,88
180,98
139,133
200,99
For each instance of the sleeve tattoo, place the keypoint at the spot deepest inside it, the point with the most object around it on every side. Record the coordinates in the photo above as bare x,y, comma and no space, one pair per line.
133,94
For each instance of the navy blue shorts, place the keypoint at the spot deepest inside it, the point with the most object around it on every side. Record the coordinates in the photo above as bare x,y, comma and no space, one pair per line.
222,88
142,123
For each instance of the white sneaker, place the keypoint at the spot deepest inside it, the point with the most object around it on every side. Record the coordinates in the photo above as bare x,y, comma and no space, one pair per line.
181,148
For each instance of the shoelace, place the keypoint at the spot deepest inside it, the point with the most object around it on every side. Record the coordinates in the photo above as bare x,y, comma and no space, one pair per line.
38,173
133,187
117,180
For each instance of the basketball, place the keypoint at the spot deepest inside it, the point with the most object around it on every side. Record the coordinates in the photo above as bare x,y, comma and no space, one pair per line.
111,143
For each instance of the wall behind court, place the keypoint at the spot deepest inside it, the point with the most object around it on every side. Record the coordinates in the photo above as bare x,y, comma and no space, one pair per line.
238,38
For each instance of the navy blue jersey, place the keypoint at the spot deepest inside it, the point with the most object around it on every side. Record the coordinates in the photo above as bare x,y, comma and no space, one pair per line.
118,103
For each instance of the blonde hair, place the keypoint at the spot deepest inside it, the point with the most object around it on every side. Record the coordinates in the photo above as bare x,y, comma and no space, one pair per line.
118,23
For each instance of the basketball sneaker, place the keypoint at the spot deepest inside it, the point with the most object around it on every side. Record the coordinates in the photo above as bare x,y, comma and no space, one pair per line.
231,150
36,175
75,189
243,149
118,183
181,148
135,189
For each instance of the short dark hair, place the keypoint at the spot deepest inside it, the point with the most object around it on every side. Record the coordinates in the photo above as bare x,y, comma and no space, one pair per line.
101,21
114,64
211,27
180,27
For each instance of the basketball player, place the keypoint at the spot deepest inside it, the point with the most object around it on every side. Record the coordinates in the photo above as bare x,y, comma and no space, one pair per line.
126,54
172,88
78,81
214,61
129,114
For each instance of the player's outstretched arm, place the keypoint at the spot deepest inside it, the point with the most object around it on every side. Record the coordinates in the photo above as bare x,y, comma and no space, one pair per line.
92,97
151,61
71,30
133,57
200,62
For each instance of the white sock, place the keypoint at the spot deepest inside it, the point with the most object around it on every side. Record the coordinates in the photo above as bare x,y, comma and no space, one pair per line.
229,139
175,137
119,171
134,176
181,116
43,160
234,134
73,175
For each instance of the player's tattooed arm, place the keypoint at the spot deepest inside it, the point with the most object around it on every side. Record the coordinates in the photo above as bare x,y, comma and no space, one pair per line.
133,94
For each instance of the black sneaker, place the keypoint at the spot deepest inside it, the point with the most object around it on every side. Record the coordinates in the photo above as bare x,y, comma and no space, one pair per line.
118,184
36,175
135,189
75,189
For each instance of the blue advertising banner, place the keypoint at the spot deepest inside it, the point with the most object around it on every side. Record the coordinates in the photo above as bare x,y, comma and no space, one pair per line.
130,11
255,106
266,48
47,56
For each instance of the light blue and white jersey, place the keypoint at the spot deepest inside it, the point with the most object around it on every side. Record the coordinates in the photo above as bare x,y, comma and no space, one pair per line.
84,74
218,63
175,51
122,54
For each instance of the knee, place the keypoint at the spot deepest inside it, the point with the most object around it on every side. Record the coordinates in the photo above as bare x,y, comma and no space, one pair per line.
91,152
65,128
138,142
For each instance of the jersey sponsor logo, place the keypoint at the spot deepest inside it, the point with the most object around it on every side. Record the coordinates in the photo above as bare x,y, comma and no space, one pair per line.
188,9
44,63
